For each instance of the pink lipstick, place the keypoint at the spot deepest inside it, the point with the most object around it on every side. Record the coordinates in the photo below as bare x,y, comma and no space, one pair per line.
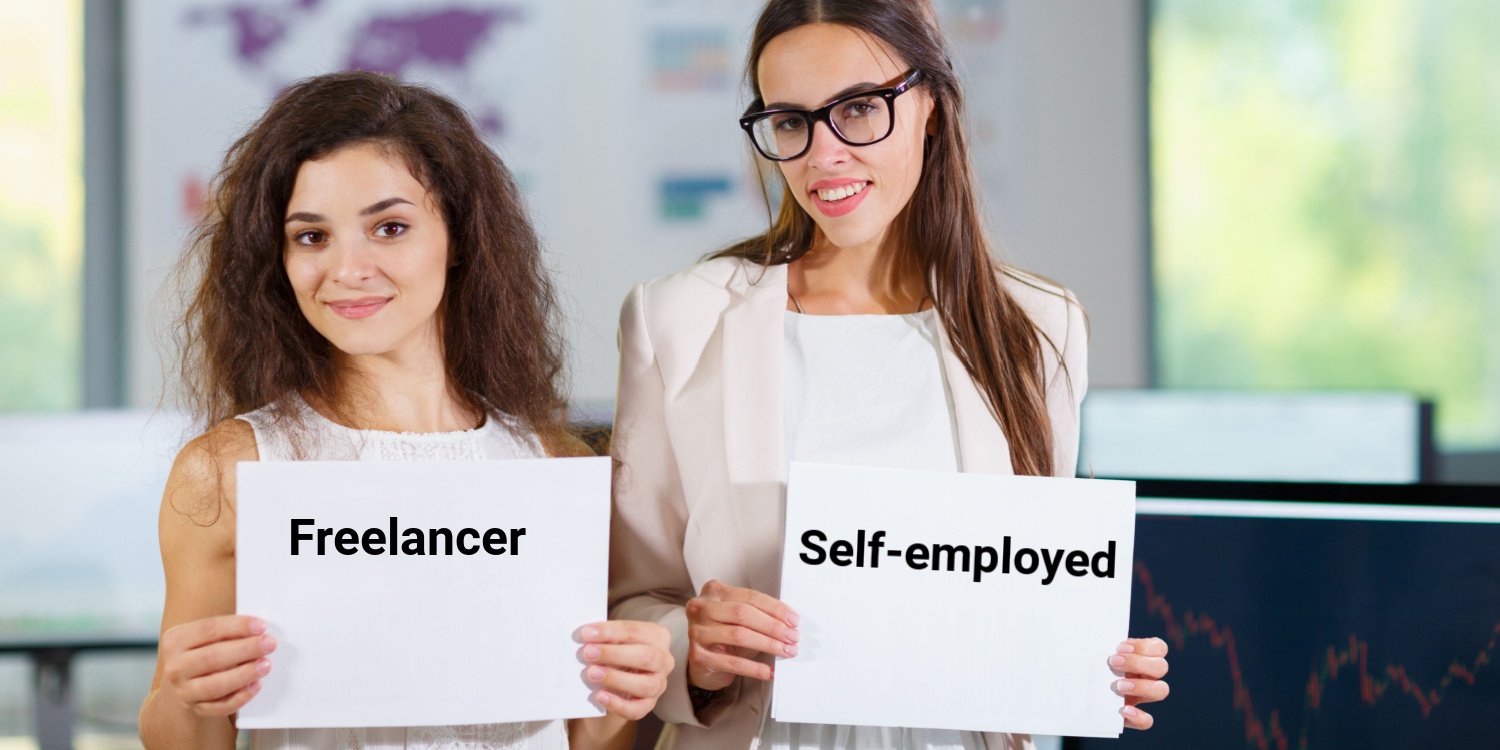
839,197
355,309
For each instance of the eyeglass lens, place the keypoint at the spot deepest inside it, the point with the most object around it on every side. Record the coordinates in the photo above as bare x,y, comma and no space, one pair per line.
857,121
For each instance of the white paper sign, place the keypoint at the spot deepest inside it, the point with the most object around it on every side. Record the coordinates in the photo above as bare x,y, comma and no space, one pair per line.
480,632
955,601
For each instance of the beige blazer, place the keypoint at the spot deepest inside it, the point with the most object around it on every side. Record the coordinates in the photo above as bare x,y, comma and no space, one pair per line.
699,470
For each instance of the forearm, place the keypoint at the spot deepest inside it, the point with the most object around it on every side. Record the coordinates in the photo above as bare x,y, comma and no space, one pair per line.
603,733
168,724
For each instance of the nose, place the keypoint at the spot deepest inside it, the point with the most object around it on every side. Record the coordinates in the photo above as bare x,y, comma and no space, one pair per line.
351,261
826,151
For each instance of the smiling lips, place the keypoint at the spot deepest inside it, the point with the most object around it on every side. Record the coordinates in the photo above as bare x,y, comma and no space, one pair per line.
355,309
839,197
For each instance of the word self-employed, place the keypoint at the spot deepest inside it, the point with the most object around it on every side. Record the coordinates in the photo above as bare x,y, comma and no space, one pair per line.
958,557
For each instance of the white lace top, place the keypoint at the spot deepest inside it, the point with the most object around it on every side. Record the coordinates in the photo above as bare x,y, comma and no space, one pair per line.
321,439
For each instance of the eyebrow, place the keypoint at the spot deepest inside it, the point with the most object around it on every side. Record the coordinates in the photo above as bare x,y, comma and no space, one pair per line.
847,90
373,208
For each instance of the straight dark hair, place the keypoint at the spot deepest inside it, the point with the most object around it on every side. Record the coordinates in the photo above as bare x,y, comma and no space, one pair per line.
246,344
1000,346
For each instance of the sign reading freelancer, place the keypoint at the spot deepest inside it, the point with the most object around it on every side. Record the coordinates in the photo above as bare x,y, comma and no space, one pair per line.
955,601
419,593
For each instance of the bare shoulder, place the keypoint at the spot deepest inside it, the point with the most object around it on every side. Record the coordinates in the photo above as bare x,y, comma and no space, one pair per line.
196,525
200,488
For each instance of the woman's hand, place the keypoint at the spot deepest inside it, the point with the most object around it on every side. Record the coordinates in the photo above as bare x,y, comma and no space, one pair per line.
727,626
214,665
629,661
1141,662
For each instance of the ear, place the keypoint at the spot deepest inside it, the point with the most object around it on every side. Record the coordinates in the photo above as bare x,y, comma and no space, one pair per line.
929,102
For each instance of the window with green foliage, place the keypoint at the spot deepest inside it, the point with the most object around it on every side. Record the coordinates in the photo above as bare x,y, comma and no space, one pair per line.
1326,192
41,206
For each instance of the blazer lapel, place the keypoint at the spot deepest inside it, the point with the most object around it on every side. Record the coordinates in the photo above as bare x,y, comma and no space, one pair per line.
753,332
752,341
982,447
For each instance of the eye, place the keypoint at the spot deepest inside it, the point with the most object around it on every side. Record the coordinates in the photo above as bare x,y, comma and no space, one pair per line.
787,123
861,108
309,238
390,229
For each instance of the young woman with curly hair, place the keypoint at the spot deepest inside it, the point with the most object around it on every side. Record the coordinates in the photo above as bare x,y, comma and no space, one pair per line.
367,287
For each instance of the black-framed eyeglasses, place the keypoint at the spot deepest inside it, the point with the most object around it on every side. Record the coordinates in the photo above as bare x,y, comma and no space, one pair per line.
859,119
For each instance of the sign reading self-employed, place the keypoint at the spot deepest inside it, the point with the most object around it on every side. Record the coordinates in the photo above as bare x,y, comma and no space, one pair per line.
955,601
420,593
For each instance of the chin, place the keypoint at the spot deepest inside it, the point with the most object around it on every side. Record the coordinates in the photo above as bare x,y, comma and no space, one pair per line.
842,235
360,348
358,345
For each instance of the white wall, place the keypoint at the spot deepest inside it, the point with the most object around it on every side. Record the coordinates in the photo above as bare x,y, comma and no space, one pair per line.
1067,197
1074,208
1082,193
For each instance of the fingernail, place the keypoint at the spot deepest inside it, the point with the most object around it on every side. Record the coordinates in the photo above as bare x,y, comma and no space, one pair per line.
596,673
1116,661
1129,712
794,636
263,666
255,687
257,626
604,698
789,649
1124,686
591,653
1125,648
792,619
267,644
590,633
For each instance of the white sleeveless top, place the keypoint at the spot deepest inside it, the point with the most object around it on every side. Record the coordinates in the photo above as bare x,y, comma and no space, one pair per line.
321,439
868,390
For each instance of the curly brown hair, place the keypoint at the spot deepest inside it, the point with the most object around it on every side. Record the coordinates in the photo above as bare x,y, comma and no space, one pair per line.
245,343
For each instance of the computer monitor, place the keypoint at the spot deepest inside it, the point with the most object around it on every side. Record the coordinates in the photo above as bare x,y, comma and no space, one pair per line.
79,498
1311,436
1319,616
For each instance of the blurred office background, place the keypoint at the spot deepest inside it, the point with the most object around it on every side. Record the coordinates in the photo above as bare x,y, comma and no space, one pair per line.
1284,208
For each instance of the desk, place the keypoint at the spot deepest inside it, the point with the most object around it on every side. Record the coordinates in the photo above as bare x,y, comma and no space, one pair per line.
52,662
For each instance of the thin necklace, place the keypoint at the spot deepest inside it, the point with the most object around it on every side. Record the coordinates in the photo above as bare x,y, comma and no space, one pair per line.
798,305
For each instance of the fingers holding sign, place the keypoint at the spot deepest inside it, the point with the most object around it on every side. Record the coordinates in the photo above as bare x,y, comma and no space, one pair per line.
1142,663
728,626
629,662
214,665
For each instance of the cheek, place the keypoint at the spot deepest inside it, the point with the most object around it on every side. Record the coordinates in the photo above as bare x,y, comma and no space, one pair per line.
906,160
303,274
791,175
426,274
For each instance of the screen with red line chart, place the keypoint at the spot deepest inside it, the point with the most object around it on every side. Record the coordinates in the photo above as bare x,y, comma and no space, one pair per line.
1310,618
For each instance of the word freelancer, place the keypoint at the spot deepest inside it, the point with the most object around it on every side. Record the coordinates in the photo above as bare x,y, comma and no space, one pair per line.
957,557
413,541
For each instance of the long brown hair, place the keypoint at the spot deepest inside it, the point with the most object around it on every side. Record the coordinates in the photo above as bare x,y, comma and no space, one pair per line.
998,343
245,343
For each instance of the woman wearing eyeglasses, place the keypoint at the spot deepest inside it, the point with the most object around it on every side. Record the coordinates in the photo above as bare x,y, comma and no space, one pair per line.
870,325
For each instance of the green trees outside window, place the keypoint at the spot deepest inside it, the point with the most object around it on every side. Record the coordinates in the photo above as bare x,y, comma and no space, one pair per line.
1326,198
